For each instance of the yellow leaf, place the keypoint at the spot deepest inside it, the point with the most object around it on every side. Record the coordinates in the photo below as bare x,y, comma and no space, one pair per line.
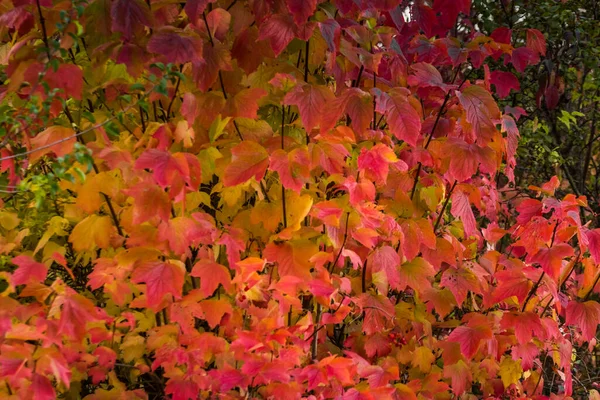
510,371
56,226
133,347
297,207
9,221
217,127
423,358
93,231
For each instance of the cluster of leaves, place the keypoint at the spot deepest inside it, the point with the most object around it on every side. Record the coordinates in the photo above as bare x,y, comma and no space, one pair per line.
560,134
278,199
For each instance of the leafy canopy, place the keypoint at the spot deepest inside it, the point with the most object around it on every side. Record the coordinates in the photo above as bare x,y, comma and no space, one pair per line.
277,199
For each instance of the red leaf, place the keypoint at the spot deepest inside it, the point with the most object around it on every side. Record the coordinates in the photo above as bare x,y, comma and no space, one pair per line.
176,45
379,312
161,278
512,141
293,167
76,312
331,32
465,159
149,201
129,15
375,162
28,270
183,232
218,22
354,102
67,78
18,19
174,170
211,276
460,281
504,81
585,315
593,237
524,56
461,208
528,209
470,338
403,119
481,111
301,9
536,41
426,75
279,29
502,35
41,388
249,159
526,326
384,263
195,8
551,258
245,103
511,282
460,376
206,70
311,101
214,310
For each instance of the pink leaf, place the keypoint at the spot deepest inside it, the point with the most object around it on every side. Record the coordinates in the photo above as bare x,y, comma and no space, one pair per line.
28,270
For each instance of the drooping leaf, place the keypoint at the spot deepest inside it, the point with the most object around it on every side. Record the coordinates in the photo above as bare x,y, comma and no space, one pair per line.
536,41
482,112
403,119
384,263
585,315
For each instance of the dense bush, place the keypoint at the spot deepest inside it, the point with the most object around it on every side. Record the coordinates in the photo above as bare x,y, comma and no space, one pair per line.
284,199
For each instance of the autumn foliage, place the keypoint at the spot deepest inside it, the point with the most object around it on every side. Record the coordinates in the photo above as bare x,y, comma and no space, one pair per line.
278,199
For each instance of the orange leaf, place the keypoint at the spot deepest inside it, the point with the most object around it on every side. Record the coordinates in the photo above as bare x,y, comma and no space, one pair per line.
56,139
249,159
